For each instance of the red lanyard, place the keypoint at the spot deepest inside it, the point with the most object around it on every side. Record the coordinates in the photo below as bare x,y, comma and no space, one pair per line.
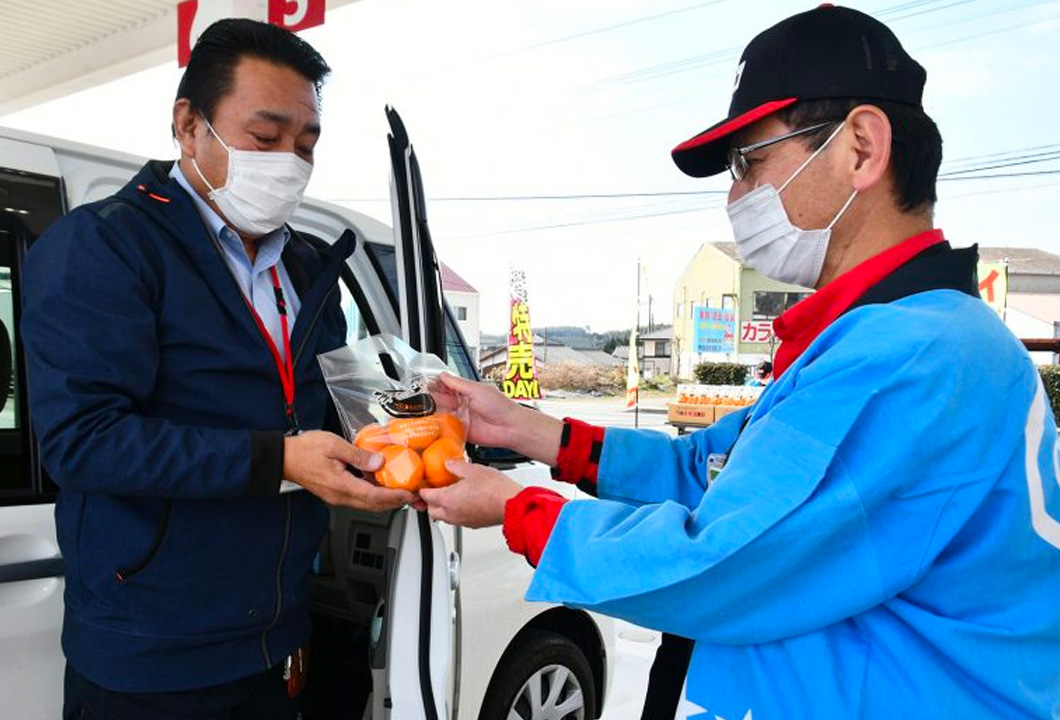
285,365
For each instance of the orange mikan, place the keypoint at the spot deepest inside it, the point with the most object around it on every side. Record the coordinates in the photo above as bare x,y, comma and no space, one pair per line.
402,469
372,438
434,458
449,426
416,433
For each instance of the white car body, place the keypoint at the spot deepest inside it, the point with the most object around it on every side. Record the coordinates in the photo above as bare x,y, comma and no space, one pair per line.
471,628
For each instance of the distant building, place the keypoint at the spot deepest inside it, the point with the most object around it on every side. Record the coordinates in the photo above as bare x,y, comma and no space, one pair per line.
654,348
717,278
464,301
1033,301
656,354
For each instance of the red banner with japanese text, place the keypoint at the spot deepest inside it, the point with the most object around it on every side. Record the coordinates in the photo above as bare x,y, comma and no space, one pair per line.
520,377
757,331
993,285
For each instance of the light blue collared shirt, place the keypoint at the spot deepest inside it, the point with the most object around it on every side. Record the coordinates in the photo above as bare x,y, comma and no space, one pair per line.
254,280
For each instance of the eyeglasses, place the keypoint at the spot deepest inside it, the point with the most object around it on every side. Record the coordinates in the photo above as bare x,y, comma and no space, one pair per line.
738,165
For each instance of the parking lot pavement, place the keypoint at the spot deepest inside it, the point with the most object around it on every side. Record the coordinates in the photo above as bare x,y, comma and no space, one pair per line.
634,652
634,646
610,411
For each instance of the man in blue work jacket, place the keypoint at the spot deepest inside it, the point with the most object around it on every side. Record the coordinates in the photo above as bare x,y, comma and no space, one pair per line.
171,333
879,536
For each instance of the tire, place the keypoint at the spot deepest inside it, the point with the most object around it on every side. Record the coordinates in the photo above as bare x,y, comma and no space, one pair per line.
544,676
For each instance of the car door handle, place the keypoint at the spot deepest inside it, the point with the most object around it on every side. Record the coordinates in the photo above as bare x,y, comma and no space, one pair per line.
32,570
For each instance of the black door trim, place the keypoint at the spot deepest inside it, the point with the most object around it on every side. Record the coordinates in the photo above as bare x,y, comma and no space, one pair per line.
32,570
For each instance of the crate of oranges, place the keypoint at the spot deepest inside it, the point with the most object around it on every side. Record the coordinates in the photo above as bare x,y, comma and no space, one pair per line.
382,390
705,404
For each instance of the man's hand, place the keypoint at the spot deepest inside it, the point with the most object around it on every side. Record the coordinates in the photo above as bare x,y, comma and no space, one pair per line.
498,421
476,500
317,461
492,413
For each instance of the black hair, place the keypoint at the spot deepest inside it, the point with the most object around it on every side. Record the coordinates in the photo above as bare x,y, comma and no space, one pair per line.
916,145
764,368
208,76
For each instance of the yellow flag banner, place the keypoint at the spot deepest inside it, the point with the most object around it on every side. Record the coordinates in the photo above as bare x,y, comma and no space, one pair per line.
993,285
632,372
520,377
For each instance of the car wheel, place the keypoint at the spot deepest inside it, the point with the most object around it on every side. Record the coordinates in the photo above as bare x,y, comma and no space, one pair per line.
544,676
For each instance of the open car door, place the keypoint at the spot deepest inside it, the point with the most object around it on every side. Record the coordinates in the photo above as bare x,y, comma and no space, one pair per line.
385,573
418,621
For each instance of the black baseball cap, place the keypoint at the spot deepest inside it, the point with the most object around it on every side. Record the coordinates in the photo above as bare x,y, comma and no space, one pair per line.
825,53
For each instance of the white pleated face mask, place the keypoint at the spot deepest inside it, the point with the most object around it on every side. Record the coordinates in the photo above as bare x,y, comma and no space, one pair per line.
263,189
770,243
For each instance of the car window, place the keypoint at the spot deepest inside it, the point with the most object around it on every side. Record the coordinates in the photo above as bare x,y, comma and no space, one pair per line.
355,324
28,204
458,359
384,258
9,399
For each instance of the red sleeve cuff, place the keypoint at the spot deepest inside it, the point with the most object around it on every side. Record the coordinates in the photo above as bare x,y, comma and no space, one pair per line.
580,448
528,521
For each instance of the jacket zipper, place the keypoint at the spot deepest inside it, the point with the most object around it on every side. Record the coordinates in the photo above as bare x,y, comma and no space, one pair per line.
266,655
279,584
313,324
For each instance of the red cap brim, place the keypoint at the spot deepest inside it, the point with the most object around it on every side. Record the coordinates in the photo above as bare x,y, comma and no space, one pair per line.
706,154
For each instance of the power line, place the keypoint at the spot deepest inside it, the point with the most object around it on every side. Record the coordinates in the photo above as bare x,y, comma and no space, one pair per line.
728,55
923,11
1053,147
943,177
578,223
964,174
518,198
711,206
997,166
608,28
994,31
1000,175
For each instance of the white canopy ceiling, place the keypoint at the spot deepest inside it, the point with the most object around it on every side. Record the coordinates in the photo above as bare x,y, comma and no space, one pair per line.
52,48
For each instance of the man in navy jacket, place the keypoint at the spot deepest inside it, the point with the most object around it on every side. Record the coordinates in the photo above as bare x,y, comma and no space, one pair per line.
171,334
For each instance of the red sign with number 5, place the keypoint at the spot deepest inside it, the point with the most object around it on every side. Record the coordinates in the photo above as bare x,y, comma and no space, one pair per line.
296,15
193,17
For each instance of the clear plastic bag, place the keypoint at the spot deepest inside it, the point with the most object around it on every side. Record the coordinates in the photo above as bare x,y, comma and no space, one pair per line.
382,390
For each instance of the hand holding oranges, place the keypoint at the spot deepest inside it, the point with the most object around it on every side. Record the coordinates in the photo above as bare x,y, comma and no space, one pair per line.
415,449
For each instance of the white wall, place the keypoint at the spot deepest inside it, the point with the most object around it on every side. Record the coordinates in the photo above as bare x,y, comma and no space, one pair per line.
1024,325
470,326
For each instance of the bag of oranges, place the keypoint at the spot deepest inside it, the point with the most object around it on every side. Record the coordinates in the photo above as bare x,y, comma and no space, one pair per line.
381,388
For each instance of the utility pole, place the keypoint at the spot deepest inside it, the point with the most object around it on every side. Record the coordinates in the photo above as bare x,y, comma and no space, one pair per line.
636,408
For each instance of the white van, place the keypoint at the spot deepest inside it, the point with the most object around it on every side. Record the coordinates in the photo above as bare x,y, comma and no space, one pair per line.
419,620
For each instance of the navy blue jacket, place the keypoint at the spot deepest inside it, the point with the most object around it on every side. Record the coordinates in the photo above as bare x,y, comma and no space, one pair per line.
160,415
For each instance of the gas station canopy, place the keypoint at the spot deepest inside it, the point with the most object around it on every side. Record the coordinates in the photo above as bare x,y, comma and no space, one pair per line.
52,48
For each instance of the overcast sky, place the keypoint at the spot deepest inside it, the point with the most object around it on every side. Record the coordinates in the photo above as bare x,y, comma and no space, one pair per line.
514,101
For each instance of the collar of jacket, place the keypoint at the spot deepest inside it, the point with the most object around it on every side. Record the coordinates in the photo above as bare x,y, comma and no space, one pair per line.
314,273
920,263
939,267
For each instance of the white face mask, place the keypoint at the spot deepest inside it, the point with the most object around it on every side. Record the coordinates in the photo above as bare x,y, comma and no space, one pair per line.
770,243
263,189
